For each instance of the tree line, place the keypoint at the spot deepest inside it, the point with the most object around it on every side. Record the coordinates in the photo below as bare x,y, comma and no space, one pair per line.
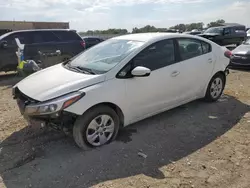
148,28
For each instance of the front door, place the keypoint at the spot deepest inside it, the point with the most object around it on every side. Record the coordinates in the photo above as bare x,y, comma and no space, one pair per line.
149,95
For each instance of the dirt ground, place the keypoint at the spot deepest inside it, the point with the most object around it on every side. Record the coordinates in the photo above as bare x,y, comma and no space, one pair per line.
196,145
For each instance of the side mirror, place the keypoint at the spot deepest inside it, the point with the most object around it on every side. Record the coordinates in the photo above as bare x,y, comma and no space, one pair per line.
140,71
3,44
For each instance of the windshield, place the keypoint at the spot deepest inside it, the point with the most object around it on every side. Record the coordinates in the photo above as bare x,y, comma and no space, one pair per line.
216,30
104,56
248,32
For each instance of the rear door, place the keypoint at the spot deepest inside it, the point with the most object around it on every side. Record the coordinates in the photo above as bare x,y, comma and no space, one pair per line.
70,42
230,36
43,41
197,62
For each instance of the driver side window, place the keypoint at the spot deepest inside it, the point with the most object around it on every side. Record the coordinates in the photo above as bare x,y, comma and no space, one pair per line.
155,56
227,31
11,39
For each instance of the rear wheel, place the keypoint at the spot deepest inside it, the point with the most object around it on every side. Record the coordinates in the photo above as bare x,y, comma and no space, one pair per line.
97,127
215,88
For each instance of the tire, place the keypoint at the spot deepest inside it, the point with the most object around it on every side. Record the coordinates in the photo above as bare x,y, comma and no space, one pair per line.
85,123
213,93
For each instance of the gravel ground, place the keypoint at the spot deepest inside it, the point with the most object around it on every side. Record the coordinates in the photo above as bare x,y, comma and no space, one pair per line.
196,145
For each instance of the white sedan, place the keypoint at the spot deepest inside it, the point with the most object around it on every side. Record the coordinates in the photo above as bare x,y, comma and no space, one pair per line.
121,81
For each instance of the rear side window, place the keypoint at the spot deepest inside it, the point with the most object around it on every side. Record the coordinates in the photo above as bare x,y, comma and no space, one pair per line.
206,48
189,48
229,30
67,35
43,36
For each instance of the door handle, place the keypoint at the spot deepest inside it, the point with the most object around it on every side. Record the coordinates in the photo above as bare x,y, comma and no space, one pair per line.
175,73
210,60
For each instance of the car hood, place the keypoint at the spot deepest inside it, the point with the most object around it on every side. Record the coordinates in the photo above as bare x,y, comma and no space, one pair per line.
54,82
242,49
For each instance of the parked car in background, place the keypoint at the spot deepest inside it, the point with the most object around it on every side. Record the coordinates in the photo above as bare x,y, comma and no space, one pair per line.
91,41
240,57
193,32
226,35
172,31
3,31
121,81
45,40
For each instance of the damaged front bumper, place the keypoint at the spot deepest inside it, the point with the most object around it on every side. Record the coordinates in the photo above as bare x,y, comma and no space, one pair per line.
58,121
50,113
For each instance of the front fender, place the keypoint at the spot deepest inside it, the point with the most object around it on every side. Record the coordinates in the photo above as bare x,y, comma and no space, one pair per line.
110,91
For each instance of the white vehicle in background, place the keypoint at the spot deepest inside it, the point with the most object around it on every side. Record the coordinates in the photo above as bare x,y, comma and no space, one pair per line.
121,81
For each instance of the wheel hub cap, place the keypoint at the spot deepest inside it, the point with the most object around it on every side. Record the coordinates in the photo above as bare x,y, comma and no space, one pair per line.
216,87
100,130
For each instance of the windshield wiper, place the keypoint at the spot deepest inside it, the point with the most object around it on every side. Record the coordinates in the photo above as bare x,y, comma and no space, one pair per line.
90,71
80,69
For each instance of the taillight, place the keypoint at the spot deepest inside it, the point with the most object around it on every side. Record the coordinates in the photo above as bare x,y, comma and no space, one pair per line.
83,44
228,54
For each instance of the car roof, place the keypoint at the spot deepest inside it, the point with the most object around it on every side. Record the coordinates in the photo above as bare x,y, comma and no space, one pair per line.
32,30
228,26
232,24
28,30
147,37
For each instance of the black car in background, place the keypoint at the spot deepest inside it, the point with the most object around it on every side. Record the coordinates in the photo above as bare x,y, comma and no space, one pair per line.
45,40
91,41
3,31
240,57
226,35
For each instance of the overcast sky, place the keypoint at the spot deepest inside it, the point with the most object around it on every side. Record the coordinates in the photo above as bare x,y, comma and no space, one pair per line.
103,14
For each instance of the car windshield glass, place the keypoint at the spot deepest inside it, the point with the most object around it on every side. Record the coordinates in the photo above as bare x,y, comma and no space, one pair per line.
216,30
248,32
104,56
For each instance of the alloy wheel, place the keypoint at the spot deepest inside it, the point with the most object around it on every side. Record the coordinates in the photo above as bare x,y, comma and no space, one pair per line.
100,130
216,87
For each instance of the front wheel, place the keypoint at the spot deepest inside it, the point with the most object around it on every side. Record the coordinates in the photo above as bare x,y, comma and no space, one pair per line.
215,88
97,127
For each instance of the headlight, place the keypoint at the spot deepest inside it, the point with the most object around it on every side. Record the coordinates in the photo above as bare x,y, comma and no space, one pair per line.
54,105
43,109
